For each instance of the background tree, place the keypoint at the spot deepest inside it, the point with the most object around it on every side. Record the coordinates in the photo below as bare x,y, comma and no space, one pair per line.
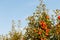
15,34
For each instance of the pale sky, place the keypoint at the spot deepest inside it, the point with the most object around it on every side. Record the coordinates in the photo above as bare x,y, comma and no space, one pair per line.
20,10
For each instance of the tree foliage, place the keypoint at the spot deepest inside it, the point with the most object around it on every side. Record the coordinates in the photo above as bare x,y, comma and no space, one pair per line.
41,26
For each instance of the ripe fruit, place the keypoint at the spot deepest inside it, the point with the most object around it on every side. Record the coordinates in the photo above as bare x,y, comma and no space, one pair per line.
39,33
47,17
43,24
46,34
59,17
47,30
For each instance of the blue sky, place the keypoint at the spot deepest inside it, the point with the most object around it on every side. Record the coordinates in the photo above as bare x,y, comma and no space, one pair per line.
20,10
